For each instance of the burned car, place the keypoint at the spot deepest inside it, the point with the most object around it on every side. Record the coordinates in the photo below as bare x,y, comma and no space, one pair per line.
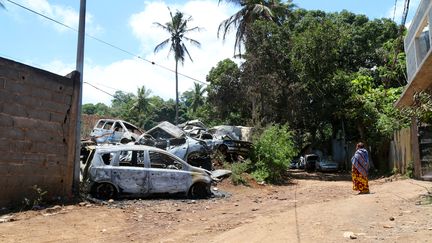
139,170
326,165
310,160
174,140
114,131
224,139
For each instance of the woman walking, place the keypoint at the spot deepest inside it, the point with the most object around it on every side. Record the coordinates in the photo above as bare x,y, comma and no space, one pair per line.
360,168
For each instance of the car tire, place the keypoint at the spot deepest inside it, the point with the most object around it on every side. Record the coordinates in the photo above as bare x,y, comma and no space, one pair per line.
198,191
104,191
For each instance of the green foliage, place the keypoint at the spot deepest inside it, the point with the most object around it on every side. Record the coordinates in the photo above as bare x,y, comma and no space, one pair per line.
372,107
238,171
226,94
421,108
273,152
410,170
36,199
99,109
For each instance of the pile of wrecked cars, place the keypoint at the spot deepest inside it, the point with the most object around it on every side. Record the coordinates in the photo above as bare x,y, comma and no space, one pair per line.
166,159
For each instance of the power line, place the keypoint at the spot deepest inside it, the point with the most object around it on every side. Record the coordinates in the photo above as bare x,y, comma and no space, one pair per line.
106,43
101,90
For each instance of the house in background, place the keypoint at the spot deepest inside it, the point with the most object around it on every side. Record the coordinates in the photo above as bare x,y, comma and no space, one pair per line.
419,77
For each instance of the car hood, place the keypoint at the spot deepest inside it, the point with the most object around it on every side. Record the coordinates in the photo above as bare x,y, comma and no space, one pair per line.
220,174
326,163
216,175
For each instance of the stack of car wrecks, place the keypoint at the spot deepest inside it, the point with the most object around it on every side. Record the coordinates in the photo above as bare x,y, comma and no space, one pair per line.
120,159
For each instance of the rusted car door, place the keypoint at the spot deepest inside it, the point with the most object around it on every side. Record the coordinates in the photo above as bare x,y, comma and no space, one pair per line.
167,174
130,174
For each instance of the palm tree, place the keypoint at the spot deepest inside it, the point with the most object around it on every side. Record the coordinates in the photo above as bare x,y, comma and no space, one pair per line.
197,98
141,105
177,28
251,10
141,101
1,4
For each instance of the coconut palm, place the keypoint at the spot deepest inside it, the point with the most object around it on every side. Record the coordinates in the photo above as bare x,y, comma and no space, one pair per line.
140,107
141,101
251,10
177,28
197,98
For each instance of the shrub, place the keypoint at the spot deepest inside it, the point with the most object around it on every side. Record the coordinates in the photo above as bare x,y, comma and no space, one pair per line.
273,152
410,170
238,170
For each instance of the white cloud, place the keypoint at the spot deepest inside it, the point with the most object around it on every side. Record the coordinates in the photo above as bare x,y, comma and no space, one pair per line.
212,49
64,14
129,74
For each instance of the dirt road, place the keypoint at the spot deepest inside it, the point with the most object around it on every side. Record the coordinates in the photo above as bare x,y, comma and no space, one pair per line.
314,207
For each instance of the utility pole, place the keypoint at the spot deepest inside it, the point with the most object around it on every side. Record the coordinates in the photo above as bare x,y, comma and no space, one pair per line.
80,69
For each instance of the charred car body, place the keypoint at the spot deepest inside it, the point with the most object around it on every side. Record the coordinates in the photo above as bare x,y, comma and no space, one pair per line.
141,170
114,131
225,139
169,137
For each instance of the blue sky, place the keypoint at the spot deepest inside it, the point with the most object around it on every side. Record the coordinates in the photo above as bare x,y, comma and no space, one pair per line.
30,39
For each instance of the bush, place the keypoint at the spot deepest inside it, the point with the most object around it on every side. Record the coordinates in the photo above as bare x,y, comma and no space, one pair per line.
410,170
273,152
238,170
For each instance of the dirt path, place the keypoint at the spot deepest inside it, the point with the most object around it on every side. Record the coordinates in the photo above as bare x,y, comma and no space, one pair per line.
320,208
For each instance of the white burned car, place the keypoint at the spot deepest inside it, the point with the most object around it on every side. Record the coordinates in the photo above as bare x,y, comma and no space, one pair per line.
141,170
114,131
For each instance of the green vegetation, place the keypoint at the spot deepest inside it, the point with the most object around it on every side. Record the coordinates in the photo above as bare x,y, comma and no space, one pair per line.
239,171
410,170
273,152
326,75
35,199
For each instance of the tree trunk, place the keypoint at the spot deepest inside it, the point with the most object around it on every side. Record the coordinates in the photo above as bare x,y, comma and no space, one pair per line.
177,99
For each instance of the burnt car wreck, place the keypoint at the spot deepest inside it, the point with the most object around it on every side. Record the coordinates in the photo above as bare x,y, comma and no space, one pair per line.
114,131
121,160
232,141
169,137
139,170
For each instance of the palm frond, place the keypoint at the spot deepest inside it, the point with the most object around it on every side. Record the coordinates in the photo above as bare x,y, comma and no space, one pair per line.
192,41
161,45
186,51
194,29
161,26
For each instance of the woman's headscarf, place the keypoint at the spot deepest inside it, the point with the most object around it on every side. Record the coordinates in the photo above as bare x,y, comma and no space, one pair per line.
361,161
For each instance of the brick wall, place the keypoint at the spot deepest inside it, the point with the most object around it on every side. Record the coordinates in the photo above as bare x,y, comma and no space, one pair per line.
37,132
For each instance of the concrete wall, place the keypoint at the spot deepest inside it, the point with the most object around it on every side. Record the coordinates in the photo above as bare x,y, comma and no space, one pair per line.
37,127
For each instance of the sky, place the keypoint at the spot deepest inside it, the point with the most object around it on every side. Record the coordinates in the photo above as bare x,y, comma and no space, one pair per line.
129,27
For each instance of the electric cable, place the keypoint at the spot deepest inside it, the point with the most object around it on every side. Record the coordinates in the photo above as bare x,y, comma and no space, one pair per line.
105,42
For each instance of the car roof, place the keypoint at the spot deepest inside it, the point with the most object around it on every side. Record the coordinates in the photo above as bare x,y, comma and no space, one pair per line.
107,148
118,147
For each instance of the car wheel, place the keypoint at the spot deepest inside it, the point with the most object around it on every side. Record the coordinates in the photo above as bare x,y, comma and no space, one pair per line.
104,191
198,190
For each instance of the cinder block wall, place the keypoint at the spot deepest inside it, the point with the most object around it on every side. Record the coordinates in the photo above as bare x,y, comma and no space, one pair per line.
37,127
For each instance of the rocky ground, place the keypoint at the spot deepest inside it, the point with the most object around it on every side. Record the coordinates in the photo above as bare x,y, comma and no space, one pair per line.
312,207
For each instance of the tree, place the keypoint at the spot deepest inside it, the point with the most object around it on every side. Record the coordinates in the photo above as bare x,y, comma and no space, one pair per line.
226,94
140,107
177,28
251,10
197,98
